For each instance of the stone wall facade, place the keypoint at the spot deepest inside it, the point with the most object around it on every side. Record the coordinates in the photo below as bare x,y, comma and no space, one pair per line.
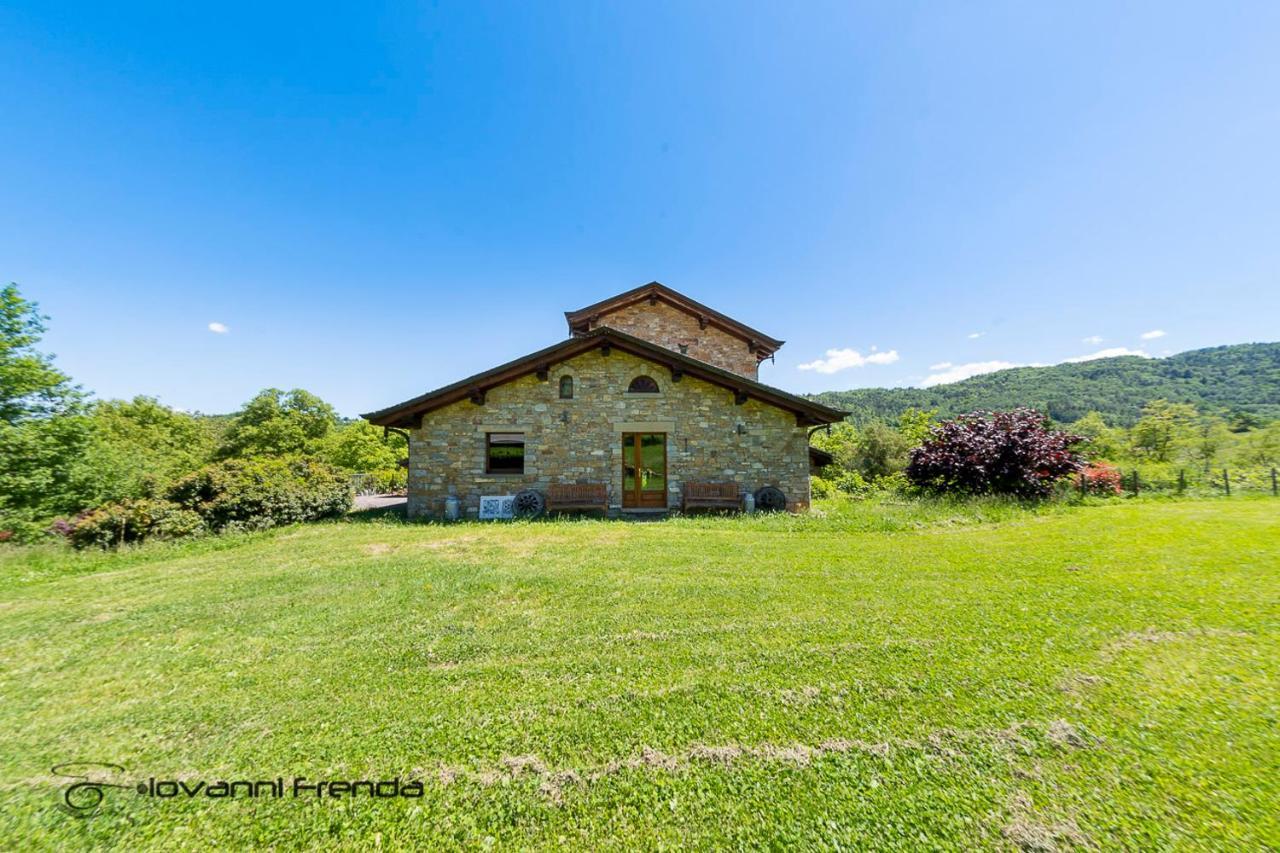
709,437
672,328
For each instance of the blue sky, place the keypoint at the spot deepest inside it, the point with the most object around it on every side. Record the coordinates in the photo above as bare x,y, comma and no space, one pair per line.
375,200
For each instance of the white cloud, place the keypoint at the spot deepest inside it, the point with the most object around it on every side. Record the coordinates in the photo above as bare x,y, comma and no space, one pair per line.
1092,339
1153,334
218,328
945,372
973,336
956,372
1110,352
843,359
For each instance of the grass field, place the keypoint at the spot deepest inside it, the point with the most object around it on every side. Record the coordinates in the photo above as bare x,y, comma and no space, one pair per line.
910,677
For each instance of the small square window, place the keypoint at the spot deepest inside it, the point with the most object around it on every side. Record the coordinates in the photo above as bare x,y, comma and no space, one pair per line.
684,348
504,453
566,387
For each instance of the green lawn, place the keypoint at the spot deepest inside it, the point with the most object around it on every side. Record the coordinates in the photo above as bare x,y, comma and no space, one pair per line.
894,676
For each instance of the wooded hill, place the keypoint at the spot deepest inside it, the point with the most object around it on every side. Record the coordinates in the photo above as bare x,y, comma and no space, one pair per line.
1219,380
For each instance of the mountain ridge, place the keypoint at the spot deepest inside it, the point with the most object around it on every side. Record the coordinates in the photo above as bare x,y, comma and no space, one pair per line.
1223,379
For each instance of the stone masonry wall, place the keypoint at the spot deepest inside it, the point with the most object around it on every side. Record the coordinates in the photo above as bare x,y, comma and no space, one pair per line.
580,440
670,327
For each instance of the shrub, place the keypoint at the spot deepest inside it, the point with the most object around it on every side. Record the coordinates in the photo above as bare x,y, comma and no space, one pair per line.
851,483
133,521
17,530
1102,479
388,480
1010,453
820,487
251,494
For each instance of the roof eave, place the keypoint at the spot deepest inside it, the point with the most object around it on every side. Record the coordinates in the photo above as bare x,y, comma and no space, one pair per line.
404,413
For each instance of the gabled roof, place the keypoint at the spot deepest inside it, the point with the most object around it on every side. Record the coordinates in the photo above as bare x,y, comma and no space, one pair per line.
406,414
580,321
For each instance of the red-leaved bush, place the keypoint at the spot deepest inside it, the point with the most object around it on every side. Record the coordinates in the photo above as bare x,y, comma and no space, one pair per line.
1102,479
1003,453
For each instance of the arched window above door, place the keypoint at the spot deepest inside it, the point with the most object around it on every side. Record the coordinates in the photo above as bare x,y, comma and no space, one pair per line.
643,385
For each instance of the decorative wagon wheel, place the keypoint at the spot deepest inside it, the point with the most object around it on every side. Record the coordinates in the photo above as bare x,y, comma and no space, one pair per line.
770,499
529,504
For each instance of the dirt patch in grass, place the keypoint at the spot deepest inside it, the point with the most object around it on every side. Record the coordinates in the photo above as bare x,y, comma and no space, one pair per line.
1015,739
653,758
1135,639
802,697
375,549
1043,838
944,744
1079,682
1062,733
517,765
449,542
99,617
1025,832
716,754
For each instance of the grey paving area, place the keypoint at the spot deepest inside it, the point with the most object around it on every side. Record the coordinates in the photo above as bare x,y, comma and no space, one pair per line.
378,501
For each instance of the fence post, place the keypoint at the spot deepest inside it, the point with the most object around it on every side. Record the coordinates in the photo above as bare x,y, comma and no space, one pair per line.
1273,481
1274,490
1226,482
1182,480
1135,481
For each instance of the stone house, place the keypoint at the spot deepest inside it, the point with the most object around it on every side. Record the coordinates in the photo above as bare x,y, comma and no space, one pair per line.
651,398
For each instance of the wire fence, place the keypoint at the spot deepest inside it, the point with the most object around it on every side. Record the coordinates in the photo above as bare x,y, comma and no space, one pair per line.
1223,482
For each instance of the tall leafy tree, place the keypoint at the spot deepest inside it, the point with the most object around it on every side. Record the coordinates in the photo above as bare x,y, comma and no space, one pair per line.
41,426
1163,427
881,450
139,446
361,446
30,386
1260,447
1103,442
279,423
914,424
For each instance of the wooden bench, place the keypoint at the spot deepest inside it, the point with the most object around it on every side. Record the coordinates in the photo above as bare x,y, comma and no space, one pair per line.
578,496
711,496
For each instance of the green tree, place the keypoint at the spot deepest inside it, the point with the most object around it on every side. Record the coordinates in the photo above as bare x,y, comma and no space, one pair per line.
360,446
1104,442
1260,447
840,440
137,447
914,424
279,423
1162,428
881,450
1209,436
30,386
41,428
37,480
1238,421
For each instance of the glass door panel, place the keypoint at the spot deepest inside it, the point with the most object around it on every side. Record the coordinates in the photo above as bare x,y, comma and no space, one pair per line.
653,466
644,469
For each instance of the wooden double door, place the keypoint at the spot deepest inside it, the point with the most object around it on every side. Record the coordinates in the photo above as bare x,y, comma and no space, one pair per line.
644,470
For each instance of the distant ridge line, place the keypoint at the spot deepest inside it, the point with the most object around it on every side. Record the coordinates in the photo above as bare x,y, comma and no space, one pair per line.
1218,380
